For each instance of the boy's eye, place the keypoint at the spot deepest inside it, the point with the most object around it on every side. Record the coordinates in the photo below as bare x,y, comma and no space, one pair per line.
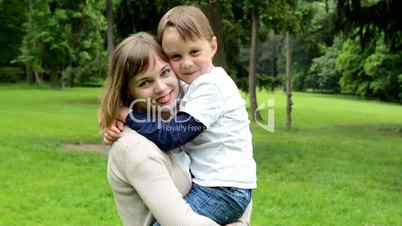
175,57
194,52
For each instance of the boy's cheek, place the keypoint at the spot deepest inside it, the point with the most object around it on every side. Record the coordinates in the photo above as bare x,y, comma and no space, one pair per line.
175,67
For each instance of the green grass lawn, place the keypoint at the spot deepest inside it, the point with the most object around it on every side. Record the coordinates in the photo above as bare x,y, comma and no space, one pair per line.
340,165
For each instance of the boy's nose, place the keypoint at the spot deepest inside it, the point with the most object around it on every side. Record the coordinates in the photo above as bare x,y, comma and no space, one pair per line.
187,63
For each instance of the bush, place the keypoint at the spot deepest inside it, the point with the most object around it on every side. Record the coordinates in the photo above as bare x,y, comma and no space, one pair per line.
370,72
298,82
269,82
323,75
400,88
11,74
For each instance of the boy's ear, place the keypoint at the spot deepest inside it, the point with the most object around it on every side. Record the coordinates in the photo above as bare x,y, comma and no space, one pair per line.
214,45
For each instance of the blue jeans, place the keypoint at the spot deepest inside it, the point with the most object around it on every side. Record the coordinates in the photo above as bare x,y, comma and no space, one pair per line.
224,205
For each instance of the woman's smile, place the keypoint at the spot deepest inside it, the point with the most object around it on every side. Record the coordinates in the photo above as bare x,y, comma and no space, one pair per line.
165,99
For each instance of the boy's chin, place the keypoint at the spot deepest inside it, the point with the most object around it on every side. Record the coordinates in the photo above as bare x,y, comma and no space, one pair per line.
188,79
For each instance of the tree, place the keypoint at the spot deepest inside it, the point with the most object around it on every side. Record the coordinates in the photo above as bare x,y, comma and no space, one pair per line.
252,65
64,41
366,18
109,15
12,15
213,11
323,75
289,101
290,23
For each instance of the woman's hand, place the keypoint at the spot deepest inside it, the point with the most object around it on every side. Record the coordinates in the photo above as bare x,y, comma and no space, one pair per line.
112,133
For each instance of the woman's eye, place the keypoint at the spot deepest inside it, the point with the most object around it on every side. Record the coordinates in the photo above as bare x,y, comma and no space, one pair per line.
144,83
166,72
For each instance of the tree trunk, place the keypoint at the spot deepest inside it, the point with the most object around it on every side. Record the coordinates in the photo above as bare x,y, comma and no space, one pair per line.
214,12
289,101
38,79
252,65
29,75
109,12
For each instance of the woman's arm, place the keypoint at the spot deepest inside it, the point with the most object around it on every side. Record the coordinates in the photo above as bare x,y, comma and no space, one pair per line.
154,184
139,172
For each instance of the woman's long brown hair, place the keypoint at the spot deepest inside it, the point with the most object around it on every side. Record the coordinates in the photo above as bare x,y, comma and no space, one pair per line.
130,58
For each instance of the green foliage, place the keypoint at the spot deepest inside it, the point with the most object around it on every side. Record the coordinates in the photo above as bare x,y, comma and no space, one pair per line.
12,15
298,82
316,31
323,76
384,67
372,72
278,15
10,74
269,82
400,88
64,42
350,64
369,18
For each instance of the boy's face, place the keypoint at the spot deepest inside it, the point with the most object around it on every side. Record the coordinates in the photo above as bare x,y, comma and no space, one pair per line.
191,58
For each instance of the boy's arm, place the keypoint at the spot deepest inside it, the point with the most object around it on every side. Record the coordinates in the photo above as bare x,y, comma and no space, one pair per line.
114,131
167,135
201,107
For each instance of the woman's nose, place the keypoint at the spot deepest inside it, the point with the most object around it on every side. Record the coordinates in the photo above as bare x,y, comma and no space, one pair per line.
160,86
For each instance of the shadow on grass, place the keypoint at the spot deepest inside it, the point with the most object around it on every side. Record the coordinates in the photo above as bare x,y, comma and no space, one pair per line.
374,129
83,101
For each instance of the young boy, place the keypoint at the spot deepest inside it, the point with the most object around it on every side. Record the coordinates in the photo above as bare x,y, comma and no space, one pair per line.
212,125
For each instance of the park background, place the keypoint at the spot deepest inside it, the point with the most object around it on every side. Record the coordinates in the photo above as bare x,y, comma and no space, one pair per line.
332,67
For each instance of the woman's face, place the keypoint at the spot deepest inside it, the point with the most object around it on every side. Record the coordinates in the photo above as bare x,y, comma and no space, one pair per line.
157,86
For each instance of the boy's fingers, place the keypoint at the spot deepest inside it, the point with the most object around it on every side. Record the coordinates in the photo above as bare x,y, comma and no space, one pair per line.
113,134
107,136
114,130
120,125
106,141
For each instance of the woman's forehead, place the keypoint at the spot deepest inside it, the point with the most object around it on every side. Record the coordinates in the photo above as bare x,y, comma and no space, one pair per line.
155,65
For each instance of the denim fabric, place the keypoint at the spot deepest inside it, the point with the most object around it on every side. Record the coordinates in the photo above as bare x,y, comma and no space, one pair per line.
224,205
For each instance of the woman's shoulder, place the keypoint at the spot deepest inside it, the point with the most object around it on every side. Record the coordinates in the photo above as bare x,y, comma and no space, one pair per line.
133,147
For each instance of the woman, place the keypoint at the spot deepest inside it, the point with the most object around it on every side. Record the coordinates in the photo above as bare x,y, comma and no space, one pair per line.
145,181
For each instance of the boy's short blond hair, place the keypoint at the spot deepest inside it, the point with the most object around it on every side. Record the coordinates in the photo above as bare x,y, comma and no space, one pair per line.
189,21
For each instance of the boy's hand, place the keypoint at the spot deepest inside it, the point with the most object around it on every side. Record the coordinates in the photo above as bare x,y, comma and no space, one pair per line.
112,133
